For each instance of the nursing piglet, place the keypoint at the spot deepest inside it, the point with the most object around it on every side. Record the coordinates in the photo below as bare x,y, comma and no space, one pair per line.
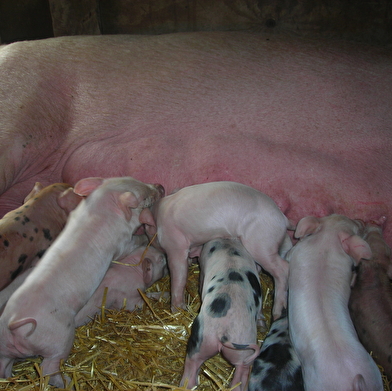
39,318
227,322
277,367
371,301
322,333
194,215
123,279
26,232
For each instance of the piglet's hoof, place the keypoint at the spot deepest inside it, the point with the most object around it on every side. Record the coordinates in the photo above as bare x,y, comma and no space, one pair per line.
178,308
158,295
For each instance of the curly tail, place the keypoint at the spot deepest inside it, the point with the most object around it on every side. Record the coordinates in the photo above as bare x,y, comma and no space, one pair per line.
236,346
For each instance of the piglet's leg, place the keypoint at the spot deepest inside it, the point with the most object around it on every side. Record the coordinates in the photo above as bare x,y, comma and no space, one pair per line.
266,255
6,367
178,266
51,366
280,274
191,371
279,270
241,374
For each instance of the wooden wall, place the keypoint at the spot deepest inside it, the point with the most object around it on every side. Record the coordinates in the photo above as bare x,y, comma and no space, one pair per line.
361,20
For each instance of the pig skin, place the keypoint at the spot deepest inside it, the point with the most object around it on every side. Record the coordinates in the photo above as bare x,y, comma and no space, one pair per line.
321,330
227,321
294,118
371,301
26,232
39,317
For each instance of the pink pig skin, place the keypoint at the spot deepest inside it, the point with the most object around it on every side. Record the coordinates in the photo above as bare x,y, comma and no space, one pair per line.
321,330
39,317
371,301
26,232
123,282
228,276
194,215
295,118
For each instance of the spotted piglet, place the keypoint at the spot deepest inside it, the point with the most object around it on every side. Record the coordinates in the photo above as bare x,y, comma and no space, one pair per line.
277,368
26,232
231,302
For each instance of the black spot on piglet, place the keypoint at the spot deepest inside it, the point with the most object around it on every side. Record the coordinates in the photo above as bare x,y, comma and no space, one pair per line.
40,253
16,272
47,234
220,305
195,338
6,243
22,259
212,249
235,276
235,252
277,354
255,283
258,366
239,346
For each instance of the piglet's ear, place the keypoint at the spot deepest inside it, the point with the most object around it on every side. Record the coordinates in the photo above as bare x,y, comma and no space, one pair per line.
36,189
147,271
306,226
147,218
68,200
356,247
129,200
389,271
87,185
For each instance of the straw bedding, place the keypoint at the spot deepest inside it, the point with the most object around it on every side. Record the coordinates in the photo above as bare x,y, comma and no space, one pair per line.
140,350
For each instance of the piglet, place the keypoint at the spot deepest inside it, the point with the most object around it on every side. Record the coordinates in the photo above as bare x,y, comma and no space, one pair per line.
371,301
227,322
277,367
123,279
381,251
321,330
194,215
39,318
26,232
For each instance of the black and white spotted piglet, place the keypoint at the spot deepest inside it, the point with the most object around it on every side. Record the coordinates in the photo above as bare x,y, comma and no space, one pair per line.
277,368
231,304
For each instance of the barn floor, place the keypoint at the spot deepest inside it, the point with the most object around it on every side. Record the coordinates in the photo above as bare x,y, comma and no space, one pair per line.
142,350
